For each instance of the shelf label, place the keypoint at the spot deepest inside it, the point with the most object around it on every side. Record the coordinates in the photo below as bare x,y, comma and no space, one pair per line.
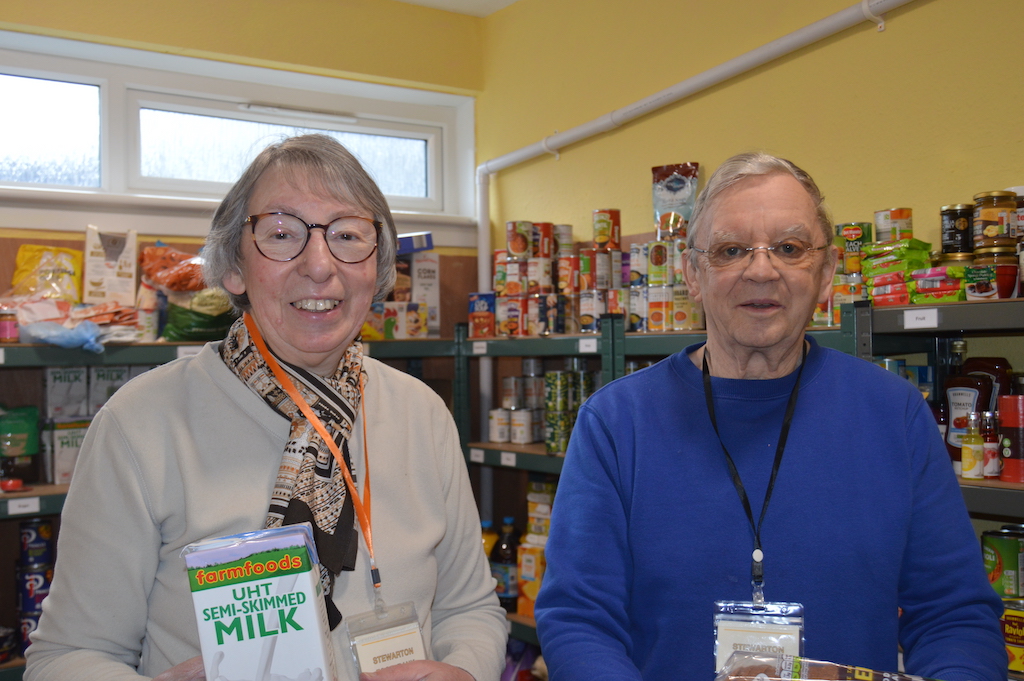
479,347
23,505
927,318
188,350
476,455
508,459
588,345
2,359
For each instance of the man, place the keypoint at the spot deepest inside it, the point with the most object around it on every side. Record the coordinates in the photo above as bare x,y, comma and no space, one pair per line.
863,516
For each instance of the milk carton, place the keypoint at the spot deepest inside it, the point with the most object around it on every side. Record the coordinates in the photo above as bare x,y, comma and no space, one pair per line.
260,606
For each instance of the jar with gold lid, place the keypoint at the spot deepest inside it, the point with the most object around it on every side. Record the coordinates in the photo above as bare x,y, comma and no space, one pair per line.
995,214
962,259
956,229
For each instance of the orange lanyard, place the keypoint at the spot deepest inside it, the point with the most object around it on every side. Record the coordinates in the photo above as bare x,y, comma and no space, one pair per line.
362,510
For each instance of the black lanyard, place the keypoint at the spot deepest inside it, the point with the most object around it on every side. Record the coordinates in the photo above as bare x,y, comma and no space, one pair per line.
757,557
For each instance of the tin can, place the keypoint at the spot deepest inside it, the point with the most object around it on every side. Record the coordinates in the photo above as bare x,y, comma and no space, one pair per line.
659,263
515,316
584,384
33,586
557,426
519,240
957,227
683,317
36,541
517,278
543,240
624,268
617,301
568,274
513,391
894,223
555,310
588,269
499,422
538,276
659,308
481,314
638,264
500,272
853,236
8,326
602,270
533,366
572,313
1003,554
538,425
563,240
522,426
678,253
556,391
607,229
27,623
1012,623
533,392
537,315
993,213
1011,432
846,288
593,304
638,309
501,315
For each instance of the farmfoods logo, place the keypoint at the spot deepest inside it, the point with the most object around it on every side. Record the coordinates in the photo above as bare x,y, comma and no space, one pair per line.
259,566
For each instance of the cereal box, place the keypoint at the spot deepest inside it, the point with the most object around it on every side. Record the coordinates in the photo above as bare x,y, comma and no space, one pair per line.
260,606
481,315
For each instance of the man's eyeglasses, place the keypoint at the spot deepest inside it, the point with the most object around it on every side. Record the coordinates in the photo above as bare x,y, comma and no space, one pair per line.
789,253
282,236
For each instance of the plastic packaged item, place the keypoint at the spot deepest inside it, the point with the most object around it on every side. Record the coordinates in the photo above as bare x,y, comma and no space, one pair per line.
674,191
746,666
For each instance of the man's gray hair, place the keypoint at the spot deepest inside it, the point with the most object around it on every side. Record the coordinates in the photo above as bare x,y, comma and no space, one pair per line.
753,164
332,172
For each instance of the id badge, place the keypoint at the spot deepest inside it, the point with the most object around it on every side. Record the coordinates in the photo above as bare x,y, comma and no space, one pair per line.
745,626
385,637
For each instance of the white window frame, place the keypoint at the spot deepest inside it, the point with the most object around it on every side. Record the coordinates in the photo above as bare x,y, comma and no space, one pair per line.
129,78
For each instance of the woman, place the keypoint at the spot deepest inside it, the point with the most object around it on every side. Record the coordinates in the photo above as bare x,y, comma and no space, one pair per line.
303,243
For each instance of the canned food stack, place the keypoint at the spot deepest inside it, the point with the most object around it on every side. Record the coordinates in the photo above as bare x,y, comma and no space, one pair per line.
564,391
520,418
35,572
659,298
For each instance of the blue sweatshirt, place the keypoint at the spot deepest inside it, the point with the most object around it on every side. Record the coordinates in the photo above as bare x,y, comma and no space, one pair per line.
866,517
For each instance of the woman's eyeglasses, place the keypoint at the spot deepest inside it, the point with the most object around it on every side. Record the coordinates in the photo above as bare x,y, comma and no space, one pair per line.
788,253
282,236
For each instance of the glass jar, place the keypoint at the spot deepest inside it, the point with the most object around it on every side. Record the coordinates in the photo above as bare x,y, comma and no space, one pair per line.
993,214
957,232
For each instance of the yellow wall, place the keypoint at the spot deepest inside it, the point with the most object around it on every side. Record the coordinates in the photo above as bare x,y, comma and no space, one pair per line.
377,40
921,115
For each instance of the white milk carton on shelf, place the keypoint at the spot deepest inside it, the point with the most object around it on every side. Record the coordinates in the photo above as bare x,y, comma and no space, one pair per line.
260,606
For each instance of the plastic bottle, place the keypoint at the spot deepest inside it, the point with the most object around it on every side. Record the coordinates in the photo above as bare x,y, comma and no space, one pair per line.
489,535
998,370
503,565
993,464
963,394
972,449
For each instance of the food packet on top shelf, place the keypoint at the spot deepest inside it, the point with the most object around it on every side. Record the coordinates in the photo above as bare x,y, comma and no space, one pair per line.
745,666
884,264
198,316
674,192
897,277
932,297
47,272
946,271
111,261
172,270
891,299
897,247
902,287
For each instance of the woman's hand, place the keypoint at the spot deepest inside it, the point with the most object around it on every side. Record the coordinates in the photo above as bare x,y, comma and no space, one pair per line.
423,670
189,670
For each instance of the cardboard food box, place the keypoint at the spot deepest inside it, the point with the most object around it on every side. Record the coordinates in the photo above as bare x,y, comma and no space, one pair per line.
531,572
104,382
67,392
111,262
63,441
260,606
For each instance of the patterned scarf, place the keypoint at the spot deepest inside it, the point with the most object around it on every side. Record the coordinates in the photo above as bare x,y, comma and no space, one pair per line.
309,485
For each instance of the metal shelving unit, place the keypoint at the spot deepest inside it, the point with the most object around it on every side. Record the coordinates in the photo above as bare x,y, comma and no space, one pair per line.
17,355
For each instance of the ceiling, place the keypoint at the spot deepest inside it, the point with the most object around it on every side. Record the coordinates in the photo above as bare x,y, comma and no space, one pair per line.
476,8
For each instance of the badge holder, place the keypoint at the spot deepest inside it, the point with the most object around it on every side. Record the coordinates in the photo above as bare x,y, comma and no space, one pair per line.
757,627
386,636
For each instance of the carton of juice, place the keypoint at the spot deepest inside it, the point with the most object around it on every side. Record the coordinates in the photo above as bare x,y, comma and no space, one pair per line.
260,606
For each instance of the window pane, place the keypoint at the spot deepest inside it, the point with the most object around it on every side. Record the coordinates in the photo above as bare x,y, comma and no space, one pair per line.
49,132
191,147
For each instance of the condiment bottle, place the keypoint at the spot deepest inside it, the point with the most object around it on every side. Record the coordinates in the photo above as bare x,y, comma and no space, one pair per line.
972,449
963,394
998,370
504,556
990,444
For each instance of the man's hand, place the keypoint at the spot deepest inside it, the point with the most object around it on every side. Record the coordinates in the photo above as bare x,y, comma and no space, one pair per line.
422,670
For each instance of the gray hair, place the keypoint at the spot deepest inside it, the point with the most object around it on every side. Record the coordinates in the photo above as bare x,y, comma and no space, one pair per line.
754,164
332,171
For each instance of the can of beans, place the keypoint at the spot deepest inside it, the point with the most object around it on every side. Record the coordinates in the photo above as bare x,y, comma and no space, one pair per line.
638,264
563,240
659,263
543,240
638,309
36,541
583,381
592,305
659,308
1003,554
513,390
683,313
1012,623
33,586
522,426
533,392
519,240
556,391
499,422
894,223
28,622
607,229
853,236
957,230
569,274
557,426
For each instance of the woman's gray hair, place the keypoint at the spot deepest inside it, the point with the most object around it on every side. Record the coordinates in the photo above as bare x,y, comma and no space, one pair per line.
331,171
754,164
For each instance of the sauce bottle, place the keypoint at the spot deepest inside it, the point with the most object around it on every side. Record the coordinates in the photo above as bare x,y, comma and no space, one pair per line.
998,370
490,537
503,566
990,443
972,449
963,393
